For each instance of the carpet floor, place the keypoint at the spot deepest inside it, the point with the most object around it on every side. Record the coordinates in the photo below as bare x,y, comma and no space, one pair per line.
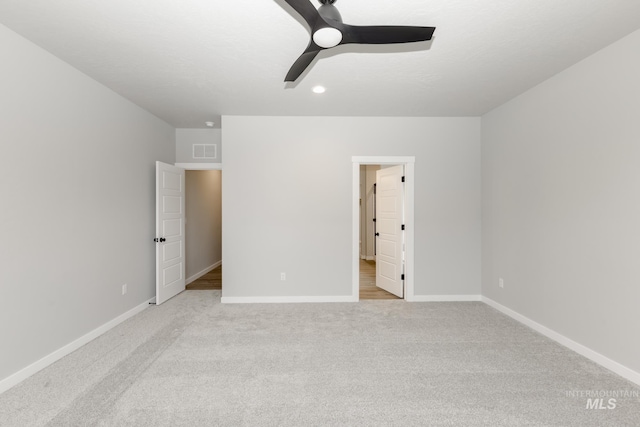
193,361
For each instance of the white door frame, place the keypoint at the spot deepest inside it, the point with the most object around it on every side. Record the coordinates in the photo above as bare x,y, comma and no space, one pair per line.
409,166
199,166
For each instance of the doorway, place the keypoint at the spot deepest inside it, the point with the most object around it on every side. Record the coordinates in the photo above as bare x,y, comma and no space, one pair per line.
369,286
203,227
366,280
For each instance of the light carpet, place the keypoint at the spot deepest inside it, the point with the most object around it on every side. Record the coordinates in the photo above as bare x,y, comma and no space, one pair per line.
193,361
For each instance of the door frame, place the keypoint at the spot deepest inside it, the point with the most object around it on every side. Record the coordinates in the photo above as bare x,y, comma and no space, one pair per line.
199,166
409,168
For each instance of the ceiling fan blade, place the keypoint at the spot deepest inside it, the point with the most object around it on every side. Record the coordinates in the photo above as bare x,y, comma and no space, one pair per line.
305,9
302,62
384,34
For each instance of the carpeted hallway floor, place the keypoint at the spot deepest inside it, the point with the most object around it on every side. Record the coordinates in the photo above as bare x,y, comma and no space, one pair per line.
193,361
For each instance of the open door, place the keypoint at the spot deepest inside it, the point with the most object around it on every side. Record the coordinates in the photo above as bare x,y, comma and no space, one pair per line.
389,230
170,215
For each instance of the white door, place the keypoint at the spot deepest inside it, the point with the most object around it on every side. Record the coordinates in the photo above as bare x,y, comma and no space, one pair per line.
170,215
389,233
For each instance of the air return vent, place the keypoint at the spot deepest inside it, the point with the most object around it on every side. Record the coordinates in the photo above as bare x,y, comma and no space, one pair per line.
204,151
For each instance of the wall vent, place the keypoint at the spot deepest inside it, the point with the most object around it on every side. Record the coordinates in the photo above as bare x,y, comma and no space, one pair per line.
204,151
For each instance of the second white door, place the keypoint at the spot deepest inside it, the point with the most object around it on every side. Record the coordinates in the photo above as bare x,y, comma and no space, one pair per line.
389,230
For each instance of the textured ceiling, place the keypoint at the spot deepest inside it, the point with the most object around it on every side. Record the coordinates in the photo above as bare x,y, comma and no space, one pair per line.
190,61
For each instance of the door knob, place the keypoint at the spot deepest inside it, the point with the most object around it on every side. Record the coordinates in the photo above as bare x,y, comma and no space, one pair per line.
377,234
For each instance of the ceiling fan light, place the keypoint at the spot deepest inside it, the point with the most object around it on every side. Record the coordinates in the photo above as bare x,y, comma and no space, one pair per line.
327,37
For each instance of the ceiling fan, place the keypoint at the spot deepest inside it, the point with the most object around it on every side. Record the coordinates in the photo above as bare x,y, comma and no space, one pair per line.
327,31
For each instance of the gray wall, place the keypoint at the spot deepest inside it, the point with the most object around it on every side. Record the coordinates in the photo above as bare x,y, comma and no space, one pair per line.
561,211
288,199
185,138
78,197
204,220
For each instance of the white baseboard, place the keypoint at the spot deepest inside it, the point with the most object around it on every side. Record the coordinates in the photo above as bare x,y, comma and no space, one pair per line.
444,298
348,298
203,272
35,367
271,300
596,357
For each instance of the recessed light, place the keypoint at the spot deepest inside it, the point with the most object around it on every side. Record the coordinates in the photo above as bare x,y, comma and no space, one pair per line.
318,89
209,124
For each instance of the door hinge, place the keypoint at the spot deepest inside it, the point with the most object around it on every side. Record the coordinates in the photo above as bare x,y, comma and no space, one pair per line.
402,226
374,220
403,179
402,277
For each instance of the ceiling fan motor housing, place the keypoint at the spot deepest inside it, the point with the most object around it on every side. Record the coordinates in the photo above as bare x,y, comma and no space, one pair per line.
329,12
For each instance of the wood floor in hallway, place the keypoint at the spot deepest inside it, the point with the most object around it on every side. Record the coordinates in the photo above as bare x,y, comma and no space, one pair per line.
368,288
211,280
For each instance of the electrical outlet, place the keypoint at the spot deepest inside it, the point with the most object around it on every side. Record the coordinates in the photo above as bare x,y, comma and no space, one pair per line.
501,282
283,276
124,289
